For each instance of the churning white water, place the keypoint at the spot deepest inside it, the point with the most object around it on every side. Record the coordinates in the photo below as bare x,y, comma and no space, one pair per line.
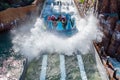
39,41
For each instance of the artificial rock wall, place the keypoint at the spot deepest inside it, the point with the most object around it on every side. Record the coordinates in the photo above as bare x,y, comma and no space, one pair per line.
12,16
109,15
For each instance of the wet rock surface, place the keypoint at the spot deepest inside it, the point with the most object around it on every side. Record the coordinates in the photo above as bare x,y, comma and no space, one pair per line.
109,21
12,68
108,14
12,65
13,17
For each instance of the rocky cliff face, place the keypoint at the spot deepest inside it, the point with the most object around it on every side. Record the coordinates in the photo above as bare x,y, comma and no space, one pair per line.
12,65
12,16
109,11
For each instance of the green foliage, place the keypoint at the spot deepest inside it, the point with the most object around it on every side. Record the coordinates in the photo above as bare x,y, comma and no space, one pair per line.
93,1
4,5
82,1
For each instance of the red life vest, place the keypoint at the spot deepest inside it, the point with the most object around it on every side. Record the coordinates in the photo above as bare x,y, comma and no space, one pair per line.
52,17
49,18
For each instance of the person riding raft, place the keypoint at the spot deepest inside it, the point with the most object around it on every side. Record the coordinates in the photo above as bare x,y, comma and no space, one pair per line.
55,20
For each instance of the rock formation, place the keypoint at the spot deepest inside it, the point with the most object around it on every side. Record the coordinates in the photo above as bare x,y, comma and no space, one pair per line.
11,16
109,21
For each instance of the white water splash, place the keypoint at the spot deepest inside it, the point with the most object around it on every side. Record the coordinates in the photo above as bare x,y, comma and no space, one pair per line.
38,41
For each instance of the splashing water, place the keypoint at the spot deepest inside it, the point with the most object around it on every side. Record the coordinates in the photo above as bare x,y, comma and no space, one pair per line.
38,41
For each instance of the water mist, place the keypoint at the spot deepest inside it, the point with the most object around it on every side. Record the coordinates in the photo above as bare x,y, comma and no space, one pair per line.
37,41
